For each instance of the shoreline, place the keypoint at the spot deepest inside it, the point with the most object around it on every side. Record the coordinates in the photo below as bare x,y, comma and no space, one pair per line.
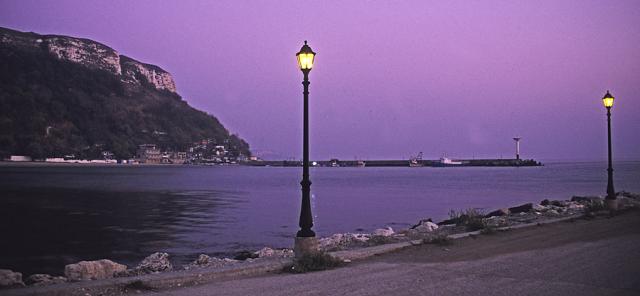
268,164
381,268
290,163
355,246
71,164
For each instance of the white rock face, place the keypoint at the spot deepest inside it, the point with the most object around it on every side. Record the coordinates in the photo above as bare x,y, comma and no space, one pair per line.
9,278
384,232
85,52
93,270
134,71
92,54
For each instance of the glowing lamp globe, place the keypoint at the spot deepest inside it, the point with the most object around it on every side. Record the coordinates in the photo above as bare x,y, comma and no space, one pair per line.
305,57
607,100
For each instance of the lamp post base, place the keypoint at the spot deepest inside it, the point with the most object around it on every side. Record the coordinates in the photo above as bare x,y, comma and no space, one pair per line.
305,245
611,204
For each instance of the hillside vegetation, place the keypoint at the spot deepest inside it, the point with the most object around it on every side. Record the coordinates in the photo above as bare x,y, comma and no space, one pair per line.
51,107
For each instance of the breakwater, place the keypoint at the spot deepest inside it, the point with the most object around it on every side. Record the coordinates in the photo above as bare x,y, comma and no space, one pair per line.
399,163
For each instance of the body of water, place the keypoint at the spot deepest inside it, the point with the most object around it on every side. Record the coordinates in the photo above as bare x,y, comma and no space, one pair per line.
55,215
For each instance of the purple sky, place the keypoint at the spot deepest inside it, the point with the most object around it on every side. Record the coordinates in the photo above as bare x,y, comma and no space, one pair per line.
390,79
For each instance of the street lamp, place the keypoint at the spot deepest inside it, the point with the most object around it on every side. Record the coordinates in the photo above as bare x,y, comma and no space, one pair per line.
306,241
610,200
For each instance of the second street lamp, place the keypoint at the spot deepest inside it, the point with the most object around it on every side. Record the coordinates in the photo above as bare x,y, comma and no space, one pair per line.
610,200
306,241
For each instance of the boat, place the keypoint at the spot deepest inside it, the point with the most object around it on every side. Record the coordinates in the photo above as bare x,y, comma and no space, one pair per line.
445,161
416,161
335,163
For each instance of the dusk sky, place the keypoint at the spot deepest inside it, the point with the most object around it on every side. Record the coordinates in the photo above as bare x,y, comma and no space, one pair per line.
391,78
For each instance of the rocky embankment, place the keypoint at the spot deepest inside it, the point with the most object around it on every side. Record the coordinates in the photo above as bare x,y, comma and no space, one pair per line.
425,230
475,220
155,263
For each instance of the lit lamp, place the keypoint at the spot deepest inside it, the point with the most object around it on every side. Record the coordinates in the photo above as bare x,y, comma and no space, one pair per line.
305,58
607,100
610,200
306,241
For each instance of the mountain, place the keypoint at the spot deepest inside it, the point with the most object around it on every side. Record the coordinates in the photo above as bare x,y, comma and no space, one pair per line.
62,95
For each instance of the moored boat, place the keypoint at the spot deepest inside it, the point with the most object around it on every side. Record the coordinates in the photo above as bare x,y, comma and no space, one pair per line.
416,161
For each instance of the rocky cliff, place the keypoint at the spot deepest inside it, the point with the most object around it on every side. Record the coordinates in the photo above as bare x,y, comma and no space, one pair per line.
91,54
64,95
134,72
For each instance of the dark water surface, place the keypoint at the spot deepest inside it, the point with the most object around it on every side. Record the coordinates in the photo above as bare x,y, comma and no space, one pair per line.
55,215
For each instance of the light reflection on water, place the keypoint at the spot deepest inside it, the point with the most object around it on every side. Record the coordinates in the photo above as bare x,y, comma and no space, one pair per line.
56,215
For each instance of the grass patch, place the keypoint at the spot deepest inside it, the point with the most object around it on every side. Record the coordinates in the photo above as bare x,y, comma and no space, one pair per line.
381,240
313,262
440,239
593,207
471,219
489,230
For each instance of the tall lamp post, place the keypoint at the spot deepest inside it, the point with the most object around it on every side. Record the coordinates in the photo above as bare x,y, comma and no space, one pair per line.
306,241
610,200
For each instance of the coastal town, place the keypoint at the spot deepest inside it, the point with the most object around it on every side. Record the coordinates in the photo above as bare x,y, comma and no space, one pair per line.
204,152
211,152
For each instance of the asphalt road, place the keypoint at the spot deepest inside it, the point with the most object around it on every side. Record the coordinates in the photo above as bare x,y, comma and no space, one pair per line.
597,257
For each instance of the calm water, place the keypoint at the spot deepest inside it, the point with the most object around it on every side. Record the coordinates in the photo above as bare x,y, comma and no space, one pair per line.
52,216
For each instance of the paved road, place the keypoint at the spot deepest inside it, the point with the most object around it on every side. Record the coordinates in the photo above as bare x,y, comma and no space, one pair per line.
599,257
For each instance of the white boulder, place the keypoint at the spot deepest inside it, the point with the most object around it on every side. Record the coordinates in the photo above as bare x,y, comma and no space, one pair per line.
207,261
384,232
10,279
540,208
426,226
93,270
343,240
575,206
156,262
269,252
265,252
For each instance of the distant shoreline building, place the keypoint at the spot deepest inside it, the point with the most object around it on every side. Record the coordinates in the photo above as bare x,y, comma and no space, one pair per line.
178,157
19,158
149,153
206,152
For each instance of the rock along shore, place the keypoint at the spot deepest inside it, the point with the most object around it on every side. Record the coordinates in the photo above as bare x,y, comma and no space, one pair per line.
118,278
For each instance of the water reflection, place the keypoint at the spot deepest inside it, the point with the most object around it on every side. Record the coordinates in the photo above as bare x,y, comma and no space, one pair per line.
54,215
45,228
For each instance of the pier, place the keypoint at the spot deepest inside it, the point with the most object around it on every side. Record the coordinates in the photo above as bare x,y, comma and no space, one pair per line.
398,163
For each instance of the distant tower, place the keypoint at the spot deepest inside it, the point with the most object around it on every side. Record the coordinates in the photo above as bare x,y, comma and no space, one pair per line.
517,139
